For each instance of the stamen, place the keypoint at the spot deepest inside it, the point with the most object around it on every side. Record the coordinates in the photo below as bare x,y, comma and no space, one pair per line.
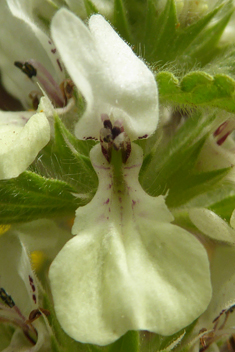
27,68
67,87
223,131
39,74
11,314
108,124
218,331
35,96
6,298
36,313
113,136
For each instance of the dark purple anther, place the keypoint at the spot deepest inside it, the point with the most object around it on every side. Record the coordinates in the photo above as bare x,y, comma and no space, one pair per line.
108,124
223,131
38,73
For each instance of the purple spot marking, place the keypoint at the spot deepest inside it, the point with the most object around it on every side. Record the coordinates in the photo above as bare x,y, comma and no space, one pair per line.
34,299
144,136
59,64
131,167
32,284
86,138
109,210
53,51
109,186
108,218
133,203
107,201
49,41
120,199
24,118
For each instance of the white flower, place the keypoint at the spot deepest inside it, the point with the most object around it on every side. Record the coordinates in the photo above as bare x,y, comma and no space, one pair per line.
219,149
212,225
218,321
112,79
127,268
27,42
23,135
42,235
19,297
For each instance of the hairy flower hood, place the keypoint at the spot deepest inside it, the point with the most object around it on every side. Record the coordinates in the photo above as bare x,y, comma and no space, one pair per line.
112,79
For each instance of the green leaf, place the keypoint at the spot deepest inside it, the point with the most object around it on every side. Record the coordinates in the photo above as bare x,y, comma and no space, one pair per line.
129,342
220,199
197,88
188,34
168,85
184,189
120,20
167,40
30,196
90,8
160,30
205,47
172,164
66,158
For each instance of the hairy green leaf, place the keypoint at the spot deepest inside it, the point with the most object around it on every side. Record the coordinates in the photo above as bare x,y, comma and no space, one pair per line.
168,39
170,168
66,158
120,20
30,196
198,88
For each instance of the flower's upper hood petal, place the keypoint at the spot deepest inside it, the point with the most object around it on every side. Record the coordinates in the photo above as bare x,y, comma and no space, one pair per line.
15,32
16,275
128,268
23,10
111,77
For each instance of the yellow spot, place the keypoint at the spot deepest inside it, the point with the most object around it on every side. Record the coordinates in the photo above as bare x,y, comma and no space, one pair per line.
41,110
37,260
4,228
